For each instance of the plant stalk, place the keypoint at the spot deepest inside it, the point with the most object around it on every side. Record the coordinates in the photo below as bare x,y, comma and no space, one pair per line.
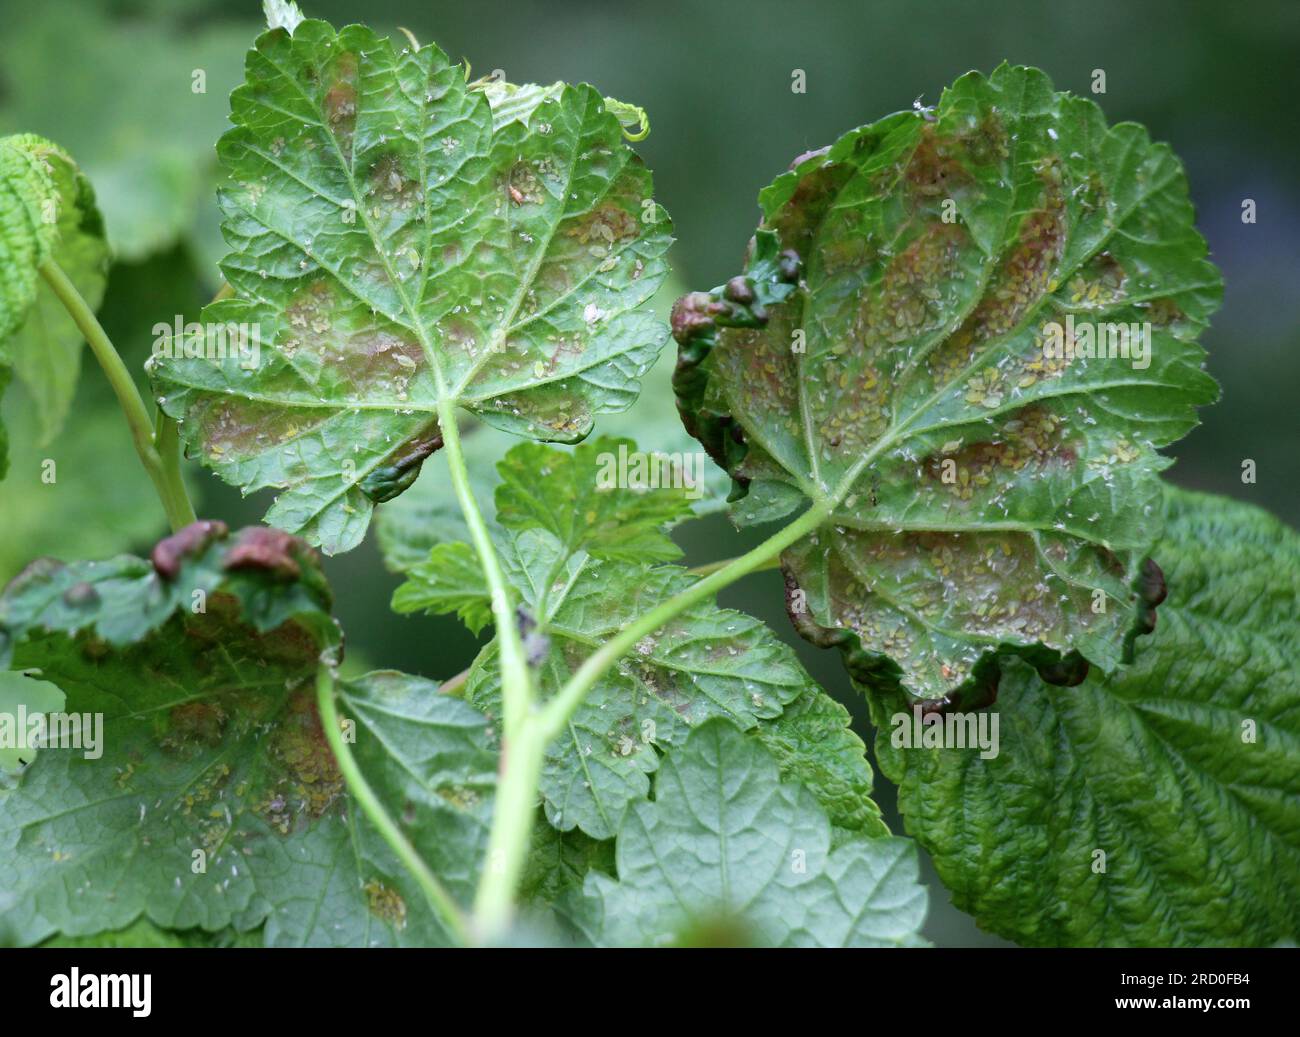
524,752
521,749
708,568
455,686
167,442
157,448
512,827
516,679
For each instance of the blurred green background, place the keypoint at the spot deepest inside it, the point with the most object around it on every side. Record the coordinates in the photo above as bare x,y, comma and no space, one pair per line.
116,82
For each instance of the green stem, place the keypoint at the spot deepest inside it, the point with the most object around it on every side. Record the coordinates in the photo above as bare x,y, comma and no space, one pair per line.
171,491
709,568
455,686
167,442
439,899
521,752
512,828
516,680
516,801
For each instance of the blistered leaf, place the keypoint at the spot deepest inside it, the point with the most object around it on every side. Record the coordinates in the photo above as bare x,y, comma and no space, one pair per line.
201,792
28,201
884,356
728,848
707,662
392,249
47,213
814,745
1159,806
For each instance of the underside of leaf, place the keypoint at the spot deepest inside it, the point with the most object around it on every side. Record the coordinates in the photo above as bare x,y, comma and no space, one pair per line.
213,801
394,247
729,854
885,357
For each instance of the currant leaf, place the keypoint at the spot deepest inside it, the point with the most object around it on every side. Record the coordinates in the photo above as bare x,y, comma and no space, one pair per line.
209,799
552,531
731,852
394,249
1157,806
883,358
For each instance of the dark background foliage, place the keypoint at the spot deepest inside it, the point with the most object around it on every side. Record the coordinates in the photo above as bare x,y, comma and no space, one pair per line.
112,81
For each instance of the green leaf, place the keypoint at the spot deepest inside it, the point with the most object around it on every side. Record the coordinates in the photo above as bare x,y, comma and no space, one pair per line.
708,662
432,760
142,933
393,249
1182,769
449,580
22,696
28,201
47,213
883,357
728,848
593,500
201,668
516,102
558,863
814,745
4,434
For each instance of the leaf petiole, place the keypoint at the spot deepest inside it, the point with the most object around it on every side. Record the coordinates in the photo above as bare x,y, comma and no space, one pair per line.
157,447
521,751
512,827
517,692
559,709
709,568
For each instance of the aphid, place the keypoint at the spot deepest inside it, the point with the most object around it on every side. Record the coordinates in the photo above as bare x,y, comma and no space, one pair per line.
516,195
